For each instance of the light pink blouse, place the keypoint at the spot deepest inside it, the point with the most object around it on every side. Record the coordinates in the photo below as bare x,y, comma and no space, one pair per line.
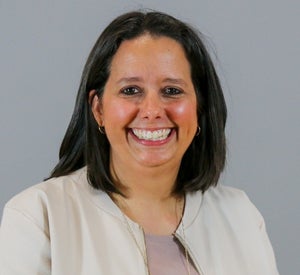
167,256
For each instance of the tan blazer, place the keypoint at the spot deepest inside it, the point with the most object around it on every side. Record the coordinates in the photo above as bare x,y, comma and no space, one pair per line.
65,227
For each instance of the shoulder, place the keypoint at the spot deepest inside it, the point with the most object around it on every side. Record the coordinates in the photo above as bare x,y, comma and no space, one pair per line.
228,204
232,200
35,201
68,183
225,195
36,218
219,195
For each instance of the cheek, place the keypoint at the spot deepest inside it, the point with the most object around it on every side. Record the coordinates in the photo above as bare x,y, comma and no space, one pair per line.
185,112
117,112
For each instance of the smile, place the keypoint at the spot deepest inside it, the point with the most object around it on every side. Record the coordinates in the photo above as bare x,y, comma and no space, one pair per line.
156,135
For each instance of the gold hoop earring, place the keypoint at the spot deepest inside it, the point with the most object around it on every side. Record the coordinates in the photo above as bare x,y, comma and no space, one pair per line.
101,130
198,131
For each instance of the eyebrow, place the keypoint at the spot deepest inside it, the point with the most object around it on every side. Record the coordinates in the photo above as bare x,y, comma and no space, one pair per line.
178,81
129,79
175,81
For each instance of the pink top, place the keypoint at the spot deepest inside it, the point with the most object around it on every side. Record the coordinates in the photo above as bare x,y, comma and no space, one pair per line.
166,256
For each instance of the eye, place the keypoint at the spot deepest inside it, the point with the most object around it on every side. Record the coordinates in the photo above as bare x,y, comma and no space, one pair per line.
172,91
130,91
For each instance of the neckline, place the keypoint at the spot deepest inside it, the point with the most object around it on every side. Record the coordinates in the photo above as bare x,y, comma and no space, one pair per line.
102,200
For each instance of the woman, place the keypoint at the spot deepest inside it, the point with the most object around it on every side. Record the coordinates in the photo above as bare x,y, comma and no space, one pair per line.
135,190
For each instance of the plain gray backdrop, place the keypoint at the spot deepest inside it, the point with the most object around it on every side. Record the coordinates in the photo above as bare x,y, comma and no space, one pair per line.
255,45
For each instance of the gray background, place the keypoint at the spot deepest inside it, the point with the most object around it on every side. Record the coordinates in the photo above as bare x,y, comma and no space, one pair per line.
44,45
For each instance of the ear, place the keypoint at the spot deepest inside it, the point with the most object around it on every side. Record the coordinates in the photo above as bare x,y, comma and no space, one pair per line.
96,106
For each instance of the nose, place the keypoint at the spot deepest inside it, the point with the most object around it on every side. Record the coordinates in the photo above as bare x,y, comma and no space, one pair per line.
151,107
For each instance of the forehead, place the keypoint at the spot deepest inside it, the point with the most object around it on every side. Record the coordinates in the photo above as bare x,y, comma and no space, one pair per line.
148,52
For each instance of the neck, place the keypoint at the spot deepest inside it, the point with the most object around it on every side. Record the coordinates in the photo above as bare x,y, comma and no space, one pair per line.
146,183
155,217
149,199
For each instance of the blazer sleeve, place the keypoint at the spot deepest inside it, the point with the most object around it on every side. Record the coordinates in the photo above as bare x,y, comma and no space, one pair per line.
24,245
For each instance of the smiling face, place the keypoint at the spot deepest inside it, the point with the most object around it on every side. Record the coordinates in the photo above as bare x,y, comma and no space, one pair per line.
149,106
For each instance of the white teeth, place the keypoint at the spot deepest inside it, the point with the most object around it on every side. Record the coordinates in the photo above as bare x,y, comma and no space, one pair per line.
152,135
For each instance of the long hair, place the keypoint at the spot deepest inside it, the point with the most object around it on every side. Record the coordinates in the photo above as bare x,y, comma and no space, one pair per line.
83,145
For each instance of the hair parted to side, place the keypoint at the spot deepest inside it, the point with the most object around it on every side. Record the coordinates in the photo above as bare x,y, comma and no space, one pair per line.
83,145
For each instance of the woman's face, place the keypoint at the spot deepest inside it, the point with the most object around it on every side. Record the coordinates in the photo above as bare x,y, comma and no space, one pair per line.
149,106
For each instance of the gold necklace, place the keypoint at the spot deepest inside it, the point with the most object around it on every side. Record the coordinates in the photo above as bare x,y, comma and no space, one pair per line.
143,251
188,265
187,261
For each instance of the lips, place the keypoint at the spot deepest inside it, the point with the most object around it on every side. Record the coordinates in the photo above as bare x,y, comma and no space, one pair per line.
156,135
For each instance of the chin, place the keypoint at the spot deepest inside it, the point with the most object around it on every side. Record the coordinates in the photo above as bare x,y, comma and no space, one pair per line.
151,161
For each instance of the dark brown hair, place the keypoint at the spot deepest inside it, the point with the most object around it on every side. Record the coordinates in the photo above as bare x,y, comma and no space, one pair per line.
83,145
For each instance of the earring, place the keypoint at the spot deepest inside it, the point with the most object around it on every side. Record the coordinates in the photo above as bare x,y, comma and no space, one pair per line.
101,130
198,131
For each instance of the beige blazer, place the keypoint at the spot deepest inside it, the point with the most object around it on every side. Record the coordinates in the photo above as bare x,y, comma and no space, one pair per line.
65,227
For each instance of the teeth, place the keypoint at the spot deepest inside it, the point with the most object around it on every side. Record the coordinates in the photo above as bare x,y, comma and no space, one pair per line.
152,135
